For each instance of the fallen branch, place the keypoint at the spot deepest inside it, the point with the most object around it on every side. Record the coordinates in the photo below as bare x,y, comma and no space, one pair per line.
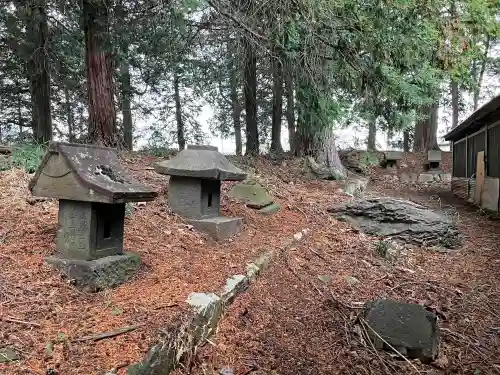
107,335
14,320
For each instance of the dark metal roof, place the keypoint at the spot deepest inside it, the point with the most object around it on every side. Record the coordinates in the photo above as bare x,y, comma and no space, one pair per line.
473,122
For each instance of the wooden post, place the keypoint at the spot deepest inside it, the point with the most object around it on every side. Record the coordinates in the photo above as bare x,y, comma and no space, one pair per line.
479,176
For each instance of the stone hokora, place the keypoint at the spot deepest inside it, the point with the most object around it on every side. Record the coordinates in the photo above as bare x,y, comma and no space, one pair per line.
391,159
92,188
194,188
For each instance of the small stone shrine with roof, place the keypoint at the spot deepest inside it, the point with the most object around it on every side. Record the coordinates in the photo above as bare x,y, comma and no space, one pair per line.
194,188
92,188
433,160
391,159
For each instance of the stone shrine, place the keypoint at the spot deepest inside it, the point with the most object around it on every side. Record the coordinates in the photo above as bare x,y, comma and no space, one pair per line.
194,188
92,188
391,159
433,160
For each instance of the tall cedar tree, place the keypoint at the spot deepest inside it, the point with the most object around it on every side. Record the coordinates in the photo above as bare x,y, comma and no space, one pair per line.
38,70
98,58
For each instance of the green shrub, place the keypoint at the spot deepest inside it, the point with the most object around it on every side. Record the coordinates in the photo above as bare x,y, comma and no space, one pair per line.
27,157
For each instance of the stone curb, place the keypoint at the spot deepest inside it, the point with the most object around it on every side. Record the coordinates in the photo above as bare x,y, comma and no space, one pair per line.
208,309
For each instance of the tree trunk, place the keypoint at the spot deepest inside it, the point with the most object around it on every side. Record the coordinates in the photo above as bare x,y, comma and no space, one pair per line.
252,132
277,70
290,110
38,71
430,130
418,135
126,87
477,89
327,164
372,134
235,102
181,141
98,58
406,141
454,103
20,121
69,115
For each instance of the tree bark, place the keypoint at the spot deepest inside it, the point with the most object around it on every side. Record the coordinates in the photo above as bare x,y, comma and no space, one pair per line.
406,141
372,134
290,110
454,103
252,132
181,141
69,115
430,130
327,165
235,102
126,87
38,71
418,140
277,72
98,58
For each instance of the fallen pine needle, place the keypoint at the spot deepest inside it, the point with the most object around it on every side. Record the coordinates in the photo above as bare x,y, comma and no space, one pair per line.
107,335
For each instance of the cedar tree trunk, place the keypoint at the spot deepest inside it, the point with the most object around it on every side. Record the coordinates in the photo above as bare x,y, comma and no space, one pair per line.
38,71
98,58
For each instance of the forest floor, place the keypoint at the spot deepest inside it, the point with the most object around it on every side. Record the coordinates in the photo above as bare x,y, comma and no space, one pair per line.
289,321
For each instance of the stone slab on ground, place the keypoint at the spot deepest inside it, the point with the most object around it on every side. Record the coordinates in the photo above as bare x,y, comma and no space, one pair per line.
219,227
8,355
98,274
426,177
401,220
252,194
408,328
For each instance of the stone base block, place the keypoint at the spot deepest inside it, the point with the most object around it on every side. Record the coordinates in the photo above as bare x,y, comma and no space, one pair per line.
98,274
219,227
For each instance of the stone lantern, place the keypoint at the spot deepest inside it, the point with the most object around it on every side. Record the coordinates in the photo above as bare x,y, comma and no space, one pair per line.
92,188
194,188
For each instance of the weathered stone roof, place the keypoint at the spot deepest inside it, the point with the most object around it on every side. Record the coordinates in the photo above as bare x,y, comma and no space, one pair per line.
68,171
204,162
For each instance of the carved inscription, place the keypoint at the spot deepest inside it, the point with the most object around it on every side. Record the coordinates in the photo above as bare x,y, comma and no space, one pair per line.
74,231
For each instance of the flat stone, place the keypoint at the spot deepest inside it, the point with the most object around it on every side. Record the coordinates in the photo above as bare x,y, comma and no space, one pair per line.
401,220
351,280
409,328
252,194
426,177
98,274
271,209
8,355
219,227
204,162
